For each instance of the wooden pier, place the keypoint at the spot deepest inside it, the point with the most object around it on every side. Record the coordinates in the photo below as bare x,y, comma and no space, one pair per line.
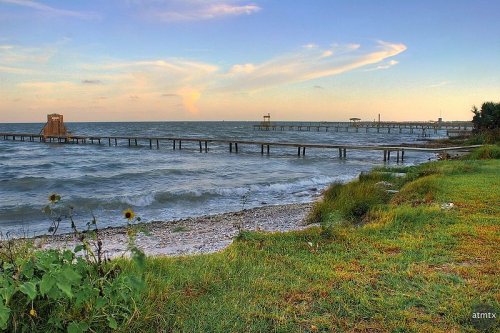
421,128
234,145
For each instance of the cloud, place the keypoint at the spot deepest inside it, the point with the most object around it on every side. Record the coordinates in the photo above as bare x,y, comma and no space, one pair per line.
439,84
246,68
91,82
386,65
189,98
156,81
16,70
309,64
197,10
51,10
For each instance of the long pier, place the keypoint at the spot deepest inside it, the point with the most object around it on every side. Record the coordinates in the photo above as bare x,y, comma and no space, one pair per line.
421,128
234,145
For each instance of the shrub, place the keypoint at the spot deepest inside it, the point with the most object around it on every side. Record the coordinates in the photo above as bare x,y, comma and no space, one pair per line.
67,290
419,191
484,153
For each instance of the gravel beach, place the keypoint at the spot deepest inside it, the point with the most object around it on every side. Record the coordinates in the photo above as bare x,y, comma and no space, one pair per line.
195,235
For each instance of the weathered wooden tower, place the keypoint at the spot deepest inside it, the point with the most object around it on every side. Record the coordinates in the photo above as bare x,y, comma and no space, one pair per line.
54,126
267,121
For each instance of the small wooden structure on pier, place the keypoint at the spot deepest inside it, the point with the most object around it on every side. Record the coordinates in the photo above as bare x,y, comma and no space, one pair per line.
266,123
54,126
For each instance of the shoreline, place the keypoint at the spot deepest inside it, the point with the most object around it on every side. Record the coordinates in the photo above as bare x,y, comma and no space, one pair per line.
193,235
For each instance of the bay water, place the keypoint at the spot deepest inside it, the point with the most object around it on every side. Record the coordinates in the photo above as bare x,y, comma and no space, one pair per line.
167,184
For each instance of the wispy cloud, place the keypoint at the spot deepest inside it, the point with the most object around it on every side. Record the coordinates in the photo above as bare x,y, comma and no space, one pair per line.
197,10
439,84
308,64
40,7
22,60
385,65
91,82
176,80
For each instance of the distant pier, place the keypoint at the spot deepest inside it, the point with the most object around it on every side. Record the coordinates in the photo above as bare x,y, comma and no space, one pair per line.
234,145
420,128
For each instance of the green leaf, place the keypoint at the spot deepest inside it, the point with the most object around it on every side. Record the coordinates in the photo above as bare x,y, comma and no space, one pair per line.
78,248
48,281
71,275
4,316
100,303
7,292
28,288
65,288
112,323
75,327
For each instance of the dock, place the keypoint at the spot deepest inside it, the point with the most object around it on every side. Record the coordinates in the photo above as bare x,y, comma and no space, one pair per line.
413,127
234,145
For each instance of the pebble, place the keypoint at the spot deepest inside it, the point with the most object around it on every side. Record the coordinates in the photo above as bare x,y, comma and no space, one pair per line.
203,234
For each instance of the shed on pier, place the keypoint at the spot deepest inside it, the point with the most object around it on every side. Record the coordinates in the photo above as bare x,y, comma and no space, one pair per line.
267,121
54,126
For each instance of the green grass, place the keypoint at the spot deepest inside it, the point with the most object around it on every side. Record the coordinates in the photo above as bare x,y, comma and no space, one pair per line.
411,267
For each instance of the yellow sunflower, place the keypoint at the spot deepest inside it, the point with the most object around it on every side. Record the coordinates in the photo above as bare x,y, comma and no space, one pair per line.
129,214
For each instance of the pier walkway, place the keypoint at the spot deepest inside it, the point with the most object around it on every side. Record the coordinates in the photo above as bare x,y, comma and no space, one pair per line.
421,128
234,145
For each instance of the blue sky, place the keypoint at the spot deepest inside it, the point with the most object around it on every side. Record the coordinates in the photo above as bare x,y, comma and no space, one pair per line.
236,60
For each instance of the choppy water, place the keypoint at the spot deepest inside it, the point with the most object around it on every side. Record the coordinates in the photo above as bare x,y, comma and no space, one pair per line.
168,184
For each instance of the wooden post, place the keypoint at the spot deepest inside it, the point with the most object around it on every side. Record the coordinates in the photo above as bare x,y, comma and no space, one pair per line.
157,144
174,144
385,155
397,157
402,155
206,146
388,155
116,143
135,141
109,142
340,152
99,140
180,144
129,142
267,149
303,151
201,150
150,143
262,149
298,151
230,147
344,153
236,146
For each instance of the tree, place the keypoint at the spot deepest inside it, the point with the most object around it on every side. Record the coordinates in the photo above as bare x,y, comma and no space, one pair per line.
488,118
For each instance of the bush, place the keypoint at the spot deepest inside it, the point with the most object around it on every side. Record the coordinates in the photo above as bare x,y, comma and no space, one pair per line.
67,290
59,290
350,201
417,192
485,153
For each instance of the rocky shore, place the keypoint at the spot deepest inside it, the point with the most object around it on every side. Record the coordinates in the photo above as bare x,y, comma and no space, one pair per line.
196,235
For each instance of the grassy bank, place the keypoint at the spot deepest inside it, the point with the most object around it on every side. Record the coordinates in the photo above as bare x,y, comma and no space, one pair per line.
405,249
401,262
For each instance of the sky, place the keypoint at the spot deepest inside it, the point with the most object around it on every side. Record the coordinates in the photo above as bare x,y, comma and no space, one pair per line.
183,60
